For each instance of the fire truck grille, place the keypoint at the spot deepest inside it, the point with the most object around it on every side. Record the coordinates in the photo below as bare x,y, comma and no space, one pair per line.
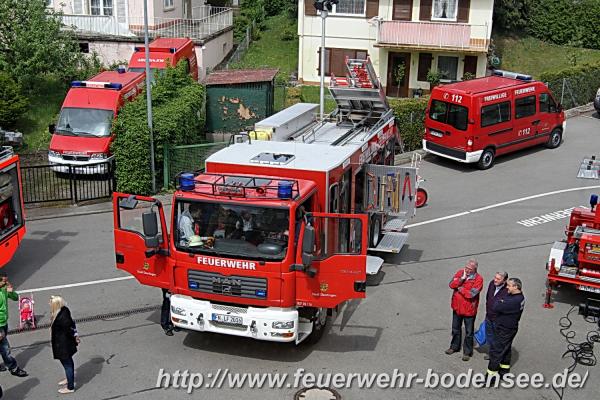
445,150
75,158
237,286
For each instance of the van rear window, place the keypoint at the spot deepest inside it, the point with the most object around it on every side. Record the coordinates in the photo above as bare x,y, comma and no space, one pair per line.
448,113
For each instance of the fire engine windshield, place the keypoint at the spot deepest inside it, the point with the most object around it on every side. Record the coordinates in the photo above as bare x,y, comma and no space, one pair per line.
84,122
10,202
232,230
448,113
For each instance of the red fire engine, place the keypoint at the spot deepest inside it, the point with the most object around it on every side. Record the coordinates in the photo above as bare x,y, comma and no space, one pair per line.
12,215
163,53
576,260
273,236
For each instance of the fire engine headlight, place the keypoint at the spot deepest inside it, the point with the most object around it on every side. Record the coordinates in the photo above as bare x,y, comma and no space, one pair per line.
178,311
52,153
98,156
283,325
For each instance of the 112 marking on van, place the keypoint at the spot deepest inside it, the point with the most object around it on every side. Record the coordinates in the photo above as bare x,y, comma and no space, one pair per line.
545,218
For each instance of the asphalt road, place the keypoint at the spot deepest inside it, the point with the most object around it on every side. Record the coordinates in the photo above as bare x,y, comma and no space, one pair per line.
403,324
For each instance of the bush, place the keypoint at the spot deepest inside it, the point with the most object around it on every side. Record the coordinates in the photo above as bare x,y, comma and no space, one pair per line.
12,103
178,118
410,117
288,34
581,84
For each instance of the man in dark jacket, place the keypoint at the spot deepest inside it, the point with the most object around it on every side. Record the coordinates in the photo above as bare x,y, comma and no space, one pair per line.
496,291
508,313
466,285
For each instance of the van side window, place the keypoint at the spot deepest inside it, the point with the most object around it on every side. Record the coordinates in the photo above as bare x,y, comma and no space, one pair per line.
524,107
547,103
495,114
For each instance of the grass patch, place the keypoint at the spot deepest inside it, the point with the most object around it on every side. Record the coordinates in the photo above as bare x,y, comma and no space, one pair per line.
44,106
271,50
532,56
311,94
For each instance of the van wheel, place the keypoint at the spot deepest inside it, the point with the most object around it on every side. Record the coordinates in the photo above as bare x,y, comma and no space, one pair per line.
487,159
375,231
555,139
319,326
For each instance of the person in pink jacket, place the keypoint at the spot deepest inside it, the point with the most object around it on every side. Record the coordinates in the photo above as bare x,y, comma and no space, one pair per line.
466,286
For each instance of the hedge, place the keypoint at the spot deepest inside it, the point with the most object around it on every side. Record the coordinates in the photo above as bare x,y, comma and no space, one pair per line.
410,117
581,84
178,118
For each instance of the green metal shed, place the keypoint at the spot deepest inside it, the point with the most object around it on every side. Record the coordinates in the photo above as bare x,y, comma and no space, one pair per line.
237,98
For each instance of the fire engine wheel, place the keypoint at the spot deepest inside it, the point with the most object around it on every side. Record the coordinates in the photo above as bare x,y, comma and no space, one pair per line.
375,231
422,197
487,159
555,139
319,325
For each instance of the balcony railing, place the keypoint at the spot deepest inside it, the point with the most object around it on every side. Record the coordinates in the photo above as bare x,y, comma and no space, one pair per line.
215,20
433,35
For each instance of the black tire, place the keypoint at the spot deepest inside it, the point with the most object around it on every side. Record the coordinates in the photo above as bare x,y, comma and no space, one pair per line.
555,139
319,327
487,159
375,230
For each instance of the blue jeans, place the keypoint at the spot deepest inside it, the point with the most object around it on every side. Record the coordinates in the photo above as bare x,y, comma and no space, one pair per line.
8,359
489,332
69,367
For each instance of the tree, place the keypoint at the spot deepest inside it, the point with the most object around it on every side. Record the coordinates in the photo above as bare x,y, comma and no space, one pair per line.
511,15
12,103
399,73
33,43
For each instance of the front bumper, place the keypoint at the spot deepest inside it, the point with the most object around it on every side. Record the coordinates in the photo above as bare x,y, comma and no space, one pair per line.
456,155
256,323
91,167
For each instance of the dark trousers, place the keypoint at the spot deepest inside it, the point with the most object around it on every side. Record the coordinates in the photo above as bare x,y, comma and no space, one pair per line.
500,352
489,332
457,322
165,311
69,367
8,359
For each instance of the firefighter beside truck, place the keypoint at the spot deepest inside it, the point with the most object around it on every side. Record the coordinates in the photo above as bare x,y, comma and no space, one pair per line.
289,227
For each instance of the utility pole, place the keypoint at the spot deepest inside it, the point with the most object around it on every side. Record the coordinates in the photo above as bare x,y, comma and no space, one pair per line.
149,96
324,6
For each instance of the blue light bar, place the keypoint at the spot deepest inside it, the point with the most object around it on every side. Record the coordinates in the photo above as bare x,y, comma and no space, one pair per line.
136,49
513,75
77,84
117,86
173,49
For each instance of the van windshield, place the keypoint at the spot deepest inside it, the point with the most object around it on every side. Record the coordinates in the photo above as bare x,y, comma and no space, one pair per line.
448,113
84,122
232,230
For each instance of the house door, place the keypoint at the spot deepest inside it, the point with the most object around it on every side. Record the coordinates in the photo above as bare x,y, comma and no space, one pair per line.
395,87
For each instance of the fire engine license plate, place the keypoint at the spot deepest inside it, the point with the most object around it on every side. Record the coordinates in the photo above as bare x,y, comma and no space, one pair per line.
227,319
436,133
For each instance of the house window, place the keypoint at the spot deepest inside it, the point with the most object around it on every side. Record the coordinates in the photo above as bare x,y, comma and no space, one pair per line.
335,60
101,7
168,3
443,10
350,7
447,67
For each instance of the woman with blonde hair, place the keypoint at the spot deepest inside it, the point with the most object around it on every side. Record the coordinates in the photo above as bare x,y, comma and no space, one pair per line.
64,341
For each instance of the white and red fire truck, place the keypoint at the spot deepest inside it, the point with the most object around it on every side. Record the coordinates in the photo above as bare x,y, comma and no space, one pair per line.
576,260
273,236
12,215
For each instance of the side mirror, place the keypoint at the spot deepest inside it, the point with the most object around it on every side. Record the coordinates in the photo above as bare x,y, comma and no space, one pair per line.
559,108
150,229
52,128
308,245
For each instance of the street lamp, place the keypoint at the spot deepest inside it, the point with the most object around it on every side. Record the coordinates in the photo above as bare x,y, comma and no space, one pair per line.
324,6
149,96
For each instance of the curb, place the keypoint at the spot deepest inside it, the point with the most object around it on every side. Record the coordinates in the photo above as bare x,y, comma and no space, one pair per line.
574,112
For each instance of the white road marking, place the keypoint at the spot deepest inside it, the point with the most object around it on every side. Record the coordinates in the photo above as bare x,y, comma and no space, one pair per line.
545,218
476,210
70,285
431,221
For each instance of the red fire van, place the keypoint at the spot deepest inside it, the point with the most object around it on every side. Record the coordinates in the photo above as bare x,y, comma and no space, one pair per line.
477,120
165,52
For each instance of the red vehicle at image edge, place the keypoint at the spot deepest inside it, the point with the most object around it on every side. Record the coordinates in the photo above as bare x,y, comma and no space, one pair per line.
12,214
165,52
82,136
282,225
477,120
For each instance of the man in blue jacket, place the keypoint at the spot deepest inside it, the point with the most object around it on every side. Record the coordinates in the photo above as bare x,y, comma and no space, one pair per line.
508,313
496,291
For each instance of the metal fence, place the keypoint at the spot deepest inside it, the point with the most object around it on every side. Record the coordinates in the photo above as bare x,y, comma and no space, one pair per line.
67,183
242,47
189,157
